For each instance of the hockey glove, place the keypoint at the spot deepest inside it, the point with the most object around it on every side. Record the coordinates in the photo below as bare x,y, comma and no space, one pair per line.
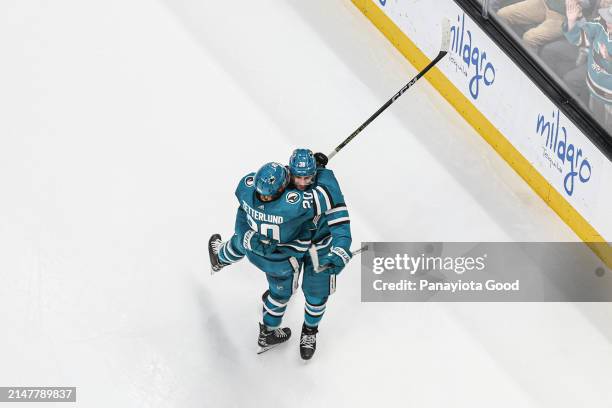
258,244
321,159
336,260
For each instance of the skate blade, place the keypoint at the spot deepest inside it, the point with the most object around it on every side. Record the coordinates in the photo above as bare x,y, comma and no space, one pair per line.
261,349
213,270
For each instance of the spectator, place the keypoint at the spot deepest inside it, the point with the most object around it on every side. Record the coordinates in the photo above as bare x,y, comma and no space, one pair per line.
547,15
595,35
568,61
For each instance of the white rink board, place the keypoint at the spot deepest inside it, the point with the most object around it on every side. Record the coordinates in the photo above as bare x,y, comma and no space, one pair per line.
556,148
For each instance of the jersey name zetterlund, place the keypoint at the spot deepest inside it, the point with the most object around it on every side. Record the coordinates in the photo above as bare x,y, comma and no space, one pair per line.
259,216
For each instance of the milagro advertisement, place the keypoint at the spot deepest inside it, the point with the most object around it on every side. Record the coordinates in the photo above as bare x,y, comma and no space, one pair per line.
558,150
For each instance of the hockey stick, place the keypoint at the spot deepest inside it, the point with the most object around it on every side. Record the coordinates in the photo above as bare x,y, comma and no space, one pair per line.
315,257
443,51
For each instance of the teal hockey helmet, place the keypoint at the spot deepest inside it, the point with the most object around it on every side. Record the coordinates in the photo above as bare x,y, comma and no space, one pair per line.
271,180
302,163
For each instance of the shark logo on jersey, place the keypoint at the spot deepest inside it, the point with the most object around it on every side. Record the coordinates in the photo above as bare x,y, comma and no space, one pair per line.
249,181
292,197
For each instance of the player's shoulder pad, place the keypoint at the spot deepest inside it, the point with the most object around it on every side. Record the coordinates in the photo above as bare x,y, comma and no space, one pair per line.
246,183
327,186
327,178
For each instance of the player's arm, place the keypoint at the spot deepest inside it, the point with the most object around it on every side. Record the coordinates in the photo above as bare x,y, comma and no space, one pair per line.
246,231
299,246
338,220
575,27
331,203
241,226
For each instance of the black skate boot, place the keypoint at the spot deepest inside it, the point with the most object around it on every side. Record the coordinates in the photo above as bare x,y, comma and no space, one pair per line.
214,244
271,338
308,341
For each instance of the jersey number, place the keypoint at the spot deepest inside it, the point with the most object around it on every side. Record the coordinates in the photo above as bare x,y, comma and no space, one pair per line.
306,202
269,230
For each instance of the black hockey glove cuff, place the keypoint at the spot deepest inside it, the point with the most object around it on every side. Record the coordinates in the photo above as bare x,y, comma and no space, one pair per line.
321,159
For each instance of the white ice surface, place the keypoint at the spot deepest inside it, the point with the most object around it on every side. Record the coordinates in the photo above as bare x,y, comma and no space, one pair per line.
124,127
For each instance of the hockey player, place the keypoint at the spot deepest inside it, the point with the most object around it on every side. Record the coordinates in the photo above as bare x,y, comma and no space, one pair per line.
331,241
273,227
